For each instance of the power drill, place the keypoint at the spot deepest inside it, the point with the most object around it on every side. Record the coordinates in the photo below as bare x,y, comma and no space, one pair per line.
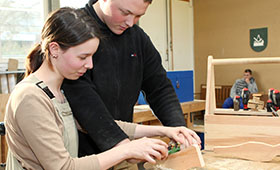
276,99
245,98
270,94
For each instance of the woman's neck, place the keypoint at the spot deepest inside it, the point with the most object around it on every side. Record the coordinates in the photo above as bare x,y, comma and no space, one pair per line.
52,79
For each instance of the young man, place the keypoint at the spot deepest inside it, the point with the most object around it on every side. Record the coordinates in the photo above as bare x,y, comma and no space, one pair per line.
246,82
125,63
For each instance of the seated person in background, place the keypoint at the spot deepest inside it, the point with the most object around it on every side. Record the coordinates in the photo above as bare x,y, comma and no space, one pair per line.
246,82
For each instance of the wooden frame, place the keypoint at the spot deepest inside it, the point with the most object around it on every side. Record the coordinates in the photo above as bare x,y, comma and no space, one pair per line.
224,127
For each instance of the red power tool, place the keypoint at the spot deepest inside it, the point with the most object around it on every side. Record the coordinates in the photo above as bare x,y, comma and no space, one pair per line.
270,94
276,99
245,98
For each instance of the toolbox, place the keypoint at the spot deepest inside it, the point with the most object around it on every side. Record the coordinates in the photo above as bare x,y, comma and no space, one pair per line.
226,127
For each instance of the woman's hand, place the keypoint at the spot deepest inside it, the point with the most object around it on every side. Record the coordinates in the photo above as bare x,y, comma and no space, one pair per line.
146,149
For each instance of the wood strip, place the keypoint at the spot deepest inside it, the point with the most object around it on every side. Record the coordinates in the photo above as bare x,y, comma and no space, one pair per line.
4,84
12,72
213,94
3,101
242,112
208,85
252,150
4,148
12,80
225,130
229,61
185,159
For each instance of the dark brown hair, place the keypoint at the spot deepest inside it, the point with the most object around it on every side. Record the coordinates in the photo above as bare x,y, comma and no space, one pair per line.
66,26
150,1
248,71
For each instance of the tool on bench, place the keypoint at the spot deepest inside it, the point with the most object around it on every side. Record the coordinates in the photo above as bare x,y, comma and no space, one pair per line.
276,99
270,94
245,98
274,112
236,103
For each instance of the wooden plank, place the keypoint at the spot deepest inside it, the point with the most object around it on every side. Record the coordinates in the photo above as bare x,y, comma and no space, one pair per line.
185,159
3,101
255,151
12,79
193,106
230,61
142,115
12,64
12,72
209,89
4,148
4,84
225,130
242,112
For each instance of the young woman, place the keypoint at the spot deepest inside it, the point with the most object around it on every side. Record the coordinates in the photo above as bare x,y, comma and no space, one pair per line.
41,130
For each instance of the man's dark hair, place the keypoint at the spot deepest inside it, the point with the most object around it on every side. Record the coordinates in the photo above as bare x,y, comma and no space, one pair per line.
150,1
248,71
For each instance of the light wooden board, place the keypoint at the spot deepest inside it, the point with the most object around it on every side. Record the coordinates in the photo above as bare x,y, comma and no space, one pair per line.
225,130
3,101
242,112
4,148
12,78
255,151
185,159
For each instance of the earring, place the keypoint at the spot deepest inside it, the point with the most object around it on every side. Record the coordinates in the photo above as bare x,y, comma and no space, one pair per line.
54,56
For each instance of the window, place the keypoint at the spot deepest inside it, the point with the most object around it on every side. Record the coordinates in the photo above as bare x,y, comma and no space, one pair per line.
20,28
73,3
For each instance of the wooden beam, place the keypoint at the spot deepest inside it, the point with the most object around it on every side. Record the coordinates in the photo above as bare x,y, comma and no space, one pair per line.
255,151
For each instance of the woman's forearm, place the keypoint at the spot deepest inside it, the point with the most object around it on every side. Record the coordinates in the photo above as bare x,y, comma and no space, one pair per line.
112,157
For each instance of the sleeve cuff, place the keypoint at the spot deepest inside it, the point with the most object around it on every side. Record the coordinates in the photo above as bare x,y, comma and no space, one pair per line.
128,128
88,162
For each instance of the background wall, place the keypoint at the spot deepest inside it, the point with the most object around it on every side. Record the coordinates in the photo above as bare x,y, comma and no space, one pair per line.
221,29
169,23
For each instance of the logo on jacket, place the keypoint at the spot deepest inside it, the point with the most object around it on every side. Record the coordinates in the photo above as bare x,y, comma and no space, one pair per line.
133,55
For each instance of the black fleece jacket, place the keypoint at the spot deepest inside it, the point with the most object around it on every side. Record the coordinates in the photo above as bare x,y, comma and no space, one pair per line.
123,66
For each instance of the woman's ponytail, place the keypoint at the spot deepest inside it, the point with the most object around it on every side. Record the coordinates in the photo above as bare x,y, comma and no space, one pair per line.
34,60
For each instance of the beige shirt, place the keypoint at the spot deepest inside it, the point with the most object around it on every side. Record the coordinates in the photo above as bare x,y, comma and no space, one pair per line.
35,131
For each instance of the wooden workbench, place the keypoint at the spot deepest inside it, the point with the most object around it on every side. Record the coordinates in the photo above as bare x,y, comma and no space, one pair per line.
143,114
214,162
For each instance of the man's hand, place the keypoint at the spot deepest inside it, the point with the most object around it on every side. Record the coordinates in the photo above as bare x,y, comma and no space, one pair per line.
247,80
182,135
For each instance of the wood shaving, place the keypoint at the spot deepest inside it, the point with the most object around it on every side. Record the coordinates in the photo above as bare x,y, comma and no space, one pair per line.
160,167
